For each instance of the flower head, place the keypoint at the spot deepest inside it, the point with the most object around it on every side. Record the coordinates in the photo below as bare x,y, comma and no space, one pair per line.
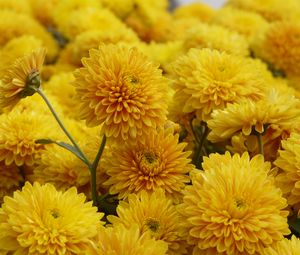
40,219
156,161
233,207
19,77
121,240
122,89
208,79
155,214
285,246
289,176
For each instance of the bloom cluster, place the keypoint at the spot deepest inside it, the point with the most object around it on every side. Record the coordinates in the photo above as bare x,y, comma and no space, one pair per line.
127,128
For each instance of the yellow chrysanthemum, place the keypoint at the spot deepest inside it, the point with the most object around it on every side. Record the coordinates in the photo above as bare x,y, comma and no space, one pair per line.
208,79
18,133
157,160
215,37
120,8
271,10
92,38
285,246
10,28
16,48
233,207
279,45
289,177
120,240
41,220
19,76
121,88
243,22
153,213
249,116
10,180
19,6
200,11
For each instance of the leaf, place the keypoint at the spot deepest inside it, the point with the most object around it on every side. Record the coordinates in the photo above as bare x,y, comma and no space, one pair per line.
294,224
44,141
71,148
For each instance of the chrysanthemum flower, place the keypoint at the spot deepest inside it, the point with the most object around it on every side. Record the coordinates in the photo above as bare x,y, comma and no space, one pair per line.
271,10
248,116
18,6
120,8
208,79
18,133
243,22
18,78
279,45
215,37
10,179
289,177
157,160
121,88
119,240
201,11
233,207
41,220
285,246
153,213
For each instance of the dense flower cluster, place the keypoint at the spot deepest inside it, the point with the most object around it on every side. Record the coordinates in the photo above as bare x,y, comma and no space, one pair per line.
131,128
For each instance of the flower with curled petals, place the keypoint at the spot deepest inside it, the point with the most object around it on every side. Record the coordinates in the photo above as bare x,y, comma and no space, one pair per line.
121,88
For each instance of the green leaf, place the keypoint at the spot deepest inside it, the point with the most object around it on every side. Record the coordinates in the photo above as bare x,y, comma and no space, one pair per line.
294,224
71,148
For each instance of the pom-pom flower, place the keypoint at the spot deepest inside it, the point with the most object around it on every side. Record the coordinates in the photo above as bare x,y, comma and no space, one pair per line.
156,161
233,207
18,78
208,79
155,214
285,246
41,220
289,176
122,89
121,240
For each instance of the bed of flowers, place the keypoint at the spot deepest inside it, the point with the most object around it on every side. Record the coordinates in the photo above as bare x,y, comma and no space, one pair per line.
130,129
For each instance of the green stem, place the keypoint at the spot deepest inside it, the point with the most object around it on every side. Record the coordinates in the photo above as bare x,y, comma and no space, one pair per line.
260,144
40,92
93,169
194,132
198,153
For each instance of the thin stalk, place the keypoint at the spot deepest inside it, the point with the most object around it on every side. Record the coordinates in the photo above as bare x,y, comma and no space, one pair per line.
93,170
198,153
41,93
194,132
260,144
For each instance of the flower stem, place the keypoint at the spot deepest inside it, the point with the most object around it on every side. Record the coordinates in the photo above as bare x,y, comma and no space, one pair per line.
93,170
260,144
41,93
198,153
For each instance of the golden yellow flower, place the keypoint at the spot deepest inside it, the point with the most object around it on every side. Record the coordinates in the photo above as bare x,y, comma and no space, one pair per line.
201,11
243,22
10,180
271,10
41,220
120,8
215,37
289,176
119,240
208,79
157,160
233,207
279,44
155,214
121,88
18,78
18,133
285,246
248,116
18,6
10,28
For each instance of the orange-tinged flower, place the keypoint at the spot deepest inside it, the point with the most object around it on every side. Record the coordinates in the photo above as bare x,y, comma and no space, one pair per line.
18,78
155,214
121,88
233,207
156,161
285,246
41,220
121,240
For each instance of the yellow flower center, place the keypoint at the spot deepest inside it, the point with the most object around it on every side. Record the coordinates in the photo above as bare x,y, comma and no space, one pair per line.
149,159
55,213
153,225
240,203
